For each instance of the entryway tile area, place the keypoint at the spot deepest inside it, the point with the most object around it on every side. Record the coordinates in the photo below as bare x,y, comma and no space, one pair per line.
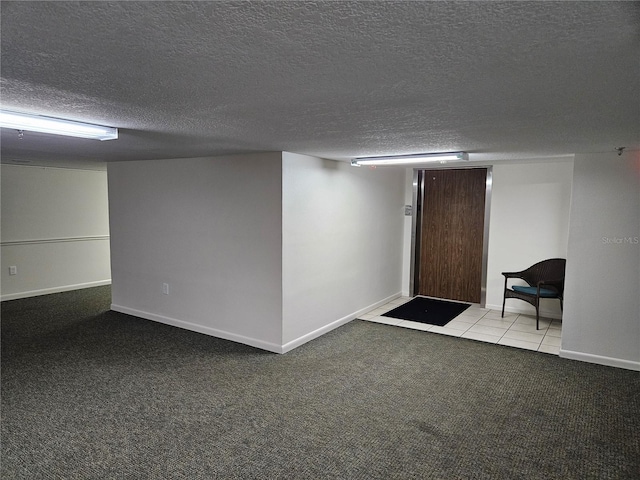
477,323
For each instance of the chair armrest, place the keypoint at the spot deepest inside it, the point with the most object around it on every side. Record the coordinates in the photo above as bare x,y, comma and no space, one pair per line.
512,274
508,275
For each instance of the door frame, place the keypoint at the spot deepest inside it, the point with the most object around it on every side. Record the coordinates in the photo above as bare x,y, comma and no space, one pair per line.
416,225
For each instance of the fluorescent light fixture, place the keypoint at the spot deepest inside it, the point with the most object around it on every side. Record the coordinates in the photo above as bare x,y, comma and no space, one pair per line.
55,126
410,159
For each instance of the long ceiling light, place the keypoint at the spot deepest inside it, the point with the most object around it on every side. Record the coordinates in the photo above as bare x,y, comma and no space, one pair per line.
410,159
55,126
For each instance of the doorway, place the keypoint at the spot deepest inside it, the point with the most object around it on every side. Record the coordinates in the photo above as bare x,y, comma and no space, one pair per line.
450,233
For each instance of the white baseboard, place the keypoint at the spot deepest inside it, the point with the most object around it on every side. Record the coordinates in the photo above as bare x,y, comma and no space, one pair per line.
213,332
524,311
600,360
253,342
373,306
47,291
335,324
316,333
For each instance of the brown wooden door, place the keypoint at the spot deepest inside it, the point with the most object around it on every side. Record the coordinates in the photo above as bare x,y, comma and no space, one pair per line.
449,262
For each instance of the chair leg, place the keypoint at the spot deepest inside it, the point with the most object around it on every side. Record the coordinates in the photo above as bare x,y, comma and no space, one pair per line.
504,299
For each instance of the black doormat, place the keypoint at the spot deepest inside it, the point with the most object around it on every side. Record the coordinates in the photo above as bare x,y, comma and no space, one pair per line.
428,310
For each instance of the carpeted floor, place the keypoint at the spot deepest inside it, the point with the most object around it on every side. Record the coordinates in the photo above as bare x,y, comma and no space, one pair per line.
93,394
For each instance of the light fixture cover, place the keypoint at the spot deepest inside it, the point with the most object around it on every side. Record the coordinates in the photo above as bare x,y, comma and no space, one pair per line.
55,126
411,159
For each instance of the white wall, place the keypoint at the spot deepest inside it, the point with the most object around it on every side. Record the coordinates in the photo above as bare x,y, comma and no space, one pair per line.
342,243
55,230
602,300
210,228
529,222
270,250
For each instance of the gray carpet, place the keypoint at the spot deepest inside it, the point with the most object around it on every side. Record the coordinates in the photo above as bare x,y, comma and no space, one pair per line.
93,394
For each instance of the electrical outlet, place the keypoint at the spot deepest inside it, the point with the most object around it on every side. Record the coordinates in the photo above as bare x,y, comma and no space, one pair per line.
165,288
13,270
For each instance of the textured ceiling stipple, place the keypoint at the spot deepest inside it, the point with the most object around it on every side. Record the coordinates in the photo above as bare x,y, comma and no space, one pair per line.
500,80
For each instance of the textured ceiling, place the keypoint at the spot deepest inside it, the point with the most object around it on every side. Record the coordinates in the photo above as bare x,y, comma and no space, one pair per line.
500,80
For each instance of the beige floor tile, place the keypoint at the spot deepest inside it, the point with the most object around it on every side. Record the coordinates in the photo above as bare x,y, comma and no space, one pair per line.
524,336
554,332
492,322
475,307
496,315
549,349
527,327
425,327
512,342
549,340
467,320
471,316
366,316
496,332
526,320
458,325
388,306
446,331
483,337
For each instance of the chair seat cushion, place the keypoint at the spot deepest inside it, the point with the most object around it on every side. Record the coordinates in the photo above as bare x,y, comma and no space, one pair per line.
544,292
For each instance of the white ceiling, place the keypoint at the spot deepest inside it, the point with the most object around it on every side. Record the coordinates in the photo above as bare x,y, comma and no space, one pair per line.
500,80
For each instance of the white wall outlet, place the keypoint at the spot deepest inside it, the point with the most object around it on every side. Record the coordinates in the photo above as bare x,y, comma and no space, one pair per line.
165,288
13,270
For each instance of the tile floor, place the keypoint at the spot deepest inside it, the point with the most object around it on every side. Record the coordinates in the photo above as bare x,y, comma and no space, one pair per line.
476,323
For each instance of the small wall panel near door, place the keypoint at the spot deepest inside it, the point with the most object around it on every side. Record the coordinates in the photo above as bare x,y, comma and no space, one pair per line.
451,233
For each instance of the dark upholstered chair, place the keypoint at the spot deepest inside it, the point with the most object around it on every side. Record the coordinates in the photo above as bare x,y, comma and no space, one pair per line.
545,279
